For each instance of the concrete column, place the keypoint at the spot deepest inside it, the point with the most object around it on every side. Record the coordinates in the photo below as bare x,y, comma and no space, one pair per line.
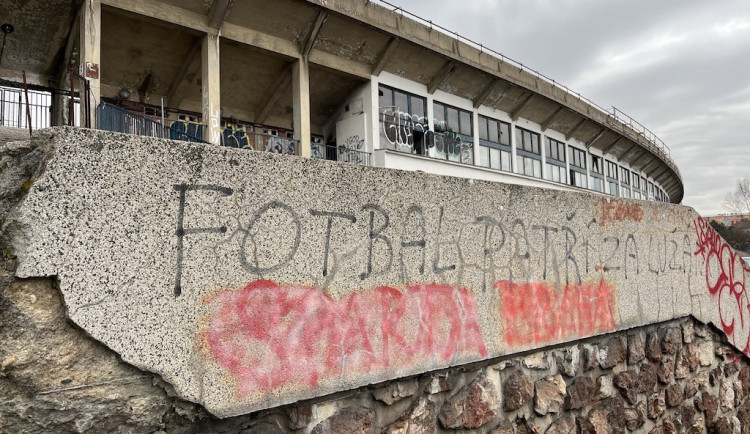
475,129
430,101
301,91
211,89
89,67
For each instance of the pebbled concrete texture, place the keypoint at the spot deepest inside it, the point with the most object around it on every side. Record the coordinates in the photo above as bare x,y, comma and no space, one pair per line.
250,280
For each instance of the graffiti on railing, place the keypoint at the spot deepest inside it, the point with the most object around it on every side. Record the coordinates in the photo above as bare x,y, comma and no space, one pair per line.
279,145
316,150
233,137
185,130
351,150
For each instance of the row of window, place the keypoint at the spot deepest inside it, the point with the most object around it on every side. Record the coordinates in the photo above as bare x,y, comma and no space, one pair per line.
405,128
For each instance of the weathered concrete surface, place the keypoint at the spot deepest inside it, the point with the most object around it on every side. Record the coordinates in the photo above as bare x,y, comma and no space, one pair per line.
249,280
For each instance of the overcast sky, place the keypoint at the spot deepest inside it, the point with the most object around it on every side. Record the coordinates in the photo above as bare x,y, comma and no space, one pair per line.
679,67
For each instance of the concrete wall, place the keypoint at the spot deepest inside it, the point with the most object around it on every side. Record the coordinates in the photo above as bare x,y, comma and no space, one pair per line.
249,280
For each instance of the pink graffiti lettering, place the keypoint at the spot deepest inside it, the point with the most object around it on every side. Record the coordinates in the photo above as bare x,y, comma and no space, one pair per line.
726,274
536,313
268,335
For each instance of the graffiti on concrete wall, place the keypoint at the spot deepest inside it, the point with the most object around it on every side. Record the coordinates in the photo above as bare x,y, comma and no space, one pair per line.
611,211
212,114
514,251
268,335
726,279
537,313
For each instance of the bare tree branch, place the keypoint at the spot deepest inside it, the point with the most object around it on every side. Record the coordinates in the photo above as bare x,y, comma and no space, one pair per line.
738,201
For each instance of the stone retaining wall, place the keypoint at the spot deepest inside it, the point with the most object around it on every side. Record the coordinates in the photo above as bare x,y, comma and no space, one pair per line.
679,376
244,281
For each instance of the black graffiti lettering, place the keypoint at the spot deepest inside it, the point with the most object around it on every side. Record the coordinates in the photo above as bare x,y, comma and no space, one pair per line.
663,265
416,211
516,255
547,230
436,268
256,268
182,231
586,246
673,262
489,228
686,253
651,251
569,255
634,255
607,266
377,234
331,216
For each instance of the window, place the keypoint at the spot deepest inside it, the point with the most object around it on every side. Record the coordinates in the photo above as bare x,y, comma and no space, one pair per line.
650,190
494,144
597,173
528,154
625,180
403,121
636,186
577,163
454,139
612,178
644,188
555,159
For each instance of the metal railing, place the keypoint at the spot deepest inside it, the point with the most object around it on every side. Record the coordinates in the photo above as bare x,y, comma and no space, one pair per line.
617,116
340,153
13,108
112,118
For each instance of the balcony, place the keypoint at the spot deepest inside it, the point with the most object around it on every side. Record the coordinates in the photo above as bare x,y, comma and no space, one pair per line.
340,153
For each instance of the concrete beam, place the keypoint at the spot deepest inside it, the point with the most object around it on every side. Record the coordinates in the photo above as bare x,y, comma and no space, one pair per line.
553,117
332,61
612,145
164,12
659,174
61,71
639,159
218,14
591,142
282,83
176,91
261,40
648,166
301,105
516,111
211,89
633,145
575,128
479,100
448,70
385,56
90,56
309,40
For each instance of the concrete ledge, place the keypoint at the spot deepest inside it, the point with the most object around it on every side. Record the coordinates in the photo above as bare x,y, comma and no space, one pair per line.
249,280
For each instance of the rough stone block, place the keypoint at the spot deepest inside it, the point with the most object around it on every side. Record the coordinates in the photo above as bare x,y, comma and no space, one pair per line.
517,391
549,394
472,406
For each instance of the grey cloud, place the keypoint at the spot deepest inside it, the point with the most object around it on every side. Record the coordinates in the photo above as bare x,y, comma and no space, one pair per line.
687,80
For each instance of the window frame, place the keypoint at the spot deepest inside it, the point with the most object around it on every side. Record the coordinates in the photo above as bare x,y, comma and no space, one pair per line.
522,154
488,145
467,141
